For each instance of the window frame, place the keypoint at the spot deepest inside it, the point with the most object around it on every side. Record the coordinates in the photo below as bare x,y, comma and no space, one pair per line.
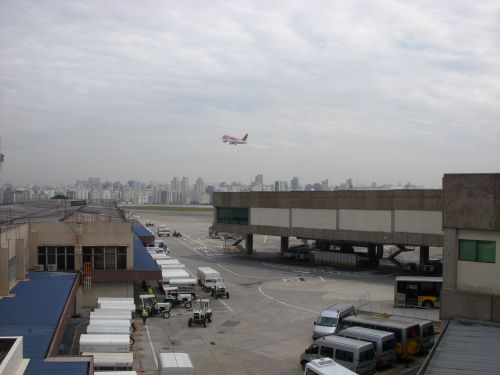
483,251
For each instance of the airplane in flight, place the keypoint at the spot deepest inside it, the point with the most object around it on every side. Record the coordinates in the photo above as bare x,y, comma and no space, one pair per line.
235,141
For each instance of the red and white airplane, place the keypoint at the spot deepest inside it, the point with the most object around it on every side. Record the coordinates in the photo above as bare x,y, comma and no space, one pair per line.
234,141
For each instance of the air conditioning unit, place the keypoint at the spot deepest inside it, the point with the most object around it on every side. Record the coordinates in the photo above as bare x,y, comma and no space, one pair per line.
51,267
39,267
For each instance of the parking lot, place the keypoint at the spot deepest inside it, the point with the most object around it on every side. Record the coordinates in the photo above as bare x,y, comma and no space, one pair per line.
267,322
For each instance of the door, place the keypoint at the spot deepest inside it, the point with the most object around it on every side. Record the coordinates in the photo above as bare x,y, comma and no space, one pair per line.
412,294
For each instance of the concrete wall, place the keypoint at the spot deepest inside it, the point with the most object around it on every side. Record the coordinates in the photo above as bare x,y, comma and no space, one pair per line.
109,289
355,216
270,217
314,219
12,244
365,220
471,201
94,234
418,221
468,272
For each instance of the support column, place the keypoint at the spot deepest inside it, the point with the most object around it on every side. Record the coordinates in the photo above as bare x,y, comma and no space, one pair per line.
424,256
380,251
21,270
4,271
249,243
284,245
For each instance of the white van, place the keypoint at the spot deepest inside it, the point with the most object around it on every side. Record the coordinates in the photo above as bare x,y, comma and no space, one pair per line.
356,355
326,366
383,342
175,364
426,330
328,322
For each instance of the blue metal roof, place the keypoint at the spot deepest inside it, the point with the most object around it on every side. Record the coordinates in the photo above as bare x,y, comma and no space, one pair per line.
142,231
142,259
34,313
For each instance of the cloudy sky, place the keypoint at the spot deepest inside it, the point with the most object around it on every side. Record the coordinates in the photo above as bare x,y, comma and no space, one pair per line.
383,91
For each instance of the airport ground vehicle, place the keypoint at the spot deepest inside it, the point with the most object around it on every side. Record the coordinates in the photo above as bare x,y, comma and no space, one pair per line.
163,231
383,342
176,299
213,233
202,313
149,223
329,319
176,233
356,355
175,364
326,366
426,331
207,277
170,274
219,289
104,343
112,361
407,333
418,291
154,307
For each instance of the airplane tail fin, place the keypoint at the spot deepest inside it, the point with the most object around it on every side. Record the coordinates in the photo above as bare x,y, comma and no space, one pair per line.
245,137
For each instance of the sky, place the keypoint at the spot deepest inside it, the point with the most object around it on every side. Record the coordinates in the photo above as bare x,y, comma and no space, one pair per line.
382,90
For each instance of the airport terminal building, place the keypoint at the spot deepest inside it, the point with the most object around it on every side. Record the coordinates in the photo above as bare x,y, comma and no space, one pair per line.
463,218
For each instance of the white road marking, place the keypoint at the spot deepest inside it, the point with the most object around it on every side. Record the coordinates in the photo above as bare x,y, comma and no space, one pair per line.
284,303
152,349
321,278
225,304
249,276
190,248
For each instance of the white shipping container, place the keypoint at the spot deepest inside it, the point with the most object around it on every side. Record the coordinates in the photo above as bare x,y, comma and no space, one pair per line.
125,307
108,330
114,300
102,314
175,364
122,361
110,322
116,372
160,262
104,343
160,256
114,310
176,273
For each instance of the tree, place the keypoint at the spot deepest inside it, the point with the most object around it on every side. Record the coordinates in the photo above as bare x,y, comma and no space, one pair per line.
59,196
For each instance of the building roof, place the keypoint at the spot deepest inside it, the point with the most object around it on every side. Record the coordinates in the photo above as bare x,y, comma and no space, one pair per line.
34,313
52,210
466,348
142,259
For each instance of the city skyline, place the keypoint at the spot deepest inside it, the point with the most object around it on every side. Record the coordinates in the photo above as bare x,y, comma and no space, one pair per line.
378,91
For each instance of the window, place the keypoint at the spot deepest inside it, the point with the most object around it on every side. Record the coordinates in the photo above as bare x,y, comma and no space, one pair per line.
389,345
229,215
313,349
98,258
110,258
344,355
62,256
325,351
477,251
367,355
121,258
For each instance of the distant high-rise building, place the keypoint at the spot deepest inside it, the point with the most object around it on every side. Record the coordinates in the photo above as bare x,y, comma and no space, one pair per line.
185,190
318,187
294,184
175,188
324,185
259,180
349,185
199,190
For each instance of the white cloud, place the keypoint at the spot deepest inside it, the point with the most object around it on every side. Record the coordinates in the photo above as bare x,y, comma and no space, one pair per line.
130,82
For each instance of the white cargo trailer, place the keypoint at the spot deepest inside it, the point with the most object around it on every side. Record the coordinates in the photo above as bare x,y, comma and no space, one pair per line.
116,372
118,300
100,329
175,364
181,286
160,256
104,314
114,306
115,310
172,261
207,277
112,361
111,322
90,343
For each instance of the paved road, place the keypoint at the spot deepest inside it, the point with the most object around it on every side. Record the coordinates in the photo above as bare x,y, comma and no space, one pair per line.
267,322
